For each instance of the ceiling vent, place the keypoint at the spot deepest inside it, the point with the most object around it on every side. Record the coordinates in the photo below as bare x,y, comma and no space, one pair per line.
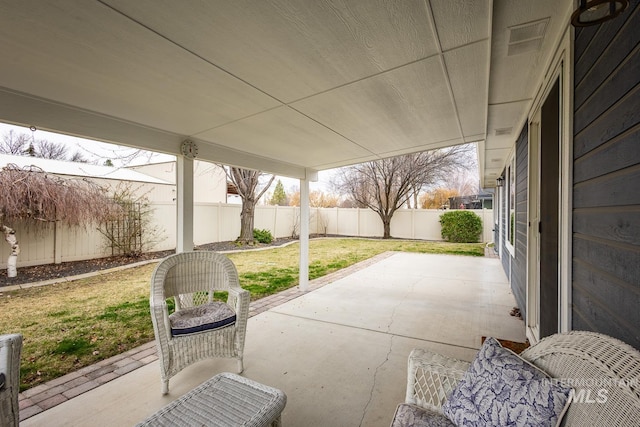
526,37
503,131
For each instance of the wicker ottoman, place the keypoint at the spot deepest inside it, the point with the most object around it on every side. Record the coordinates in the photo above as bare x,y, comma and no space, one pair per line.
225,400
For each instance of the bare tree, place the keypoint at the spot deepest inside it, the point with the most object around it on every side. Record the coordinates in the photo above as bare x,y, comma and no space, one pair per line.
78,157
49,150
251,185
122,155
464,182
438,198
27,145
385,185
30,194
14,144
317,199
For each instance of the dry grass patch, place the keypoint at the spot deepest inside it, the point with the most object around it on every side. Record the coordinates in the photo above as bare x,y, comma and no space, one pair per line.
70,325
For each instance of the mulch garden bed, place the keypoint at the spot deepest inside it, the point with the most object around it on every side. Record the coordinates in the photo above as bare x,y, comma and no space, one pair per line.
54,271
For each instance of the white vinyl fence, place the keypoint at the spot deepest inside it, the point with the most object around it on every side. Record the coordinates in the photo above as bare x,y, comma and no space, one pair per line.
219,222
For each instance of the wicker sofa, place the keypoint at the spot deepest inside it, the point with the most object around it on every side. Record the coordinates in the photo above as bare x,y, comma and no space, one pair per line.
589,362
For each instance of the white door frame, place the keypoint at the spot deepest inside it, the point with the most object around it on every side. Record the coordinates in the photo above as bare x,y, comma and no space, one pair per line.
533,240
560,69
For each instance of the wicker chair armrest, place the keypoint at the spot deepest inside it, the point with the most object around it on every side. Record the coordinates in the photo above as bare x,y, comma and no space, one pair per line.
10,350
239,299
431,378
160,315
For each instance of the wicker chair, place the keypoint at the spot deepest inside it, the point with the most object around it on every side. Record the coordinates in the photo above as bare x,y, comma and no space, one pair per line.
587,361
190,280
10,349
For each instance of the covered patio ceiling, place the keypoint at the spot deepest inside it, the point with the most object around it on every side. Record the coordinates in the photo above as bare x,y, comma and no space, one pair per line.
286,86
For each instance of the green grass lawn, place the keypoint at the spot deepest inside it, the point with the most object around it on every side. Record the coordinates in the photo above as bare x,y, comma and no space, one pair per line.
70,325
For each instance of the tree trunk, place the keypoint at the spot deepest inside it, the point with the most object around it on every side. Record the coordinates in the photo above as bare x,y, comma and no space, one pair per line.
386,222
10,237
246,221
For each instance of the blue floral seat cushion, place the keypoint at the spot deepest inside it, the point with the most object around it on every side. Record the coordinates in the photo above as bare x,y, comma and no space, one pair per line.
413,416
500,388
205,317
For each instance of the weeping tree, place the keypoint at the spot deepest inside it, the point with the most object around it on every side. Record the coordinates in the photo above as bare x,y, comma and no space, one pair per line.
251,185
30,195
385,185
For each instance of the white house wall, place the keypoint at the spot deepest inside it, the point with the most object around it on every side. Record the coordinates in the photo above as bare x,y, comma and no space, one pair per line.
209,180
209,183
153,192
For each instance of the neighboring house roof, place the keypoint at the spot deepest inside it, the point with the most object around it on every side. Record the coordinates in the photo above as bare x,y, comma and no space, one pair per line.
231,188
60,167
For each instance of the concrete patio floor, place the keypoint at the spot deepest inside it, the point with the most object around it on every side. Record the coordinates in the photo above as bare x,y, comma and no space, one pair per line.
339,352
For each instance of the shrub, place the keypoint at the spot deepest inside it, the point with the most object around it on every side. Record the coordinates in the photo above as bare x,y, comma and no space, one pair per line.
262,236
461,226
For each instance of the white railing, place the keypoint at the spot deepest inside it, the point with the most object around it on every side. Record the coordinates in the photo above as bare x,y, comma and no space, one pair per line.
219,222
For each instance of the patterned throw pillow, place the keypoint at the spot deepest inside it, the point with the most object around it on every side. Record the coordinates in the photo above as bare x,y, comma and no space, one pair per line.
500,389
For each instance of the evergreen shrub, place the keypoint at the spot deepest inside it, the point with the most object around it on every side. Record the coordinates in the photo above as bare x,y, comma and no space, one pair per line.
262,236
461,226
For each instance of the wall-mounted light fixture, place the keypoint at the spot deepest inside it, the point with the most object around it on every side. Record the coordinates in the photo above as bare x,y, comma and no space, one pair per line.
499,182
594,12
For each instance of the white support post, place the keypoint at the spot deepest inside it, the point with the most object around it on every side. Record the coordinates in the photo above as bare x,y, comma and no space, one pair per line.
304,235
184,190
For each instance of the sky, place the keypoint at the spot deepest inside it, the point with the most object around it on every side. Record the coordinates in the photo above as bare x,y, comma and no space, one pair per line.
100,151
92,150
